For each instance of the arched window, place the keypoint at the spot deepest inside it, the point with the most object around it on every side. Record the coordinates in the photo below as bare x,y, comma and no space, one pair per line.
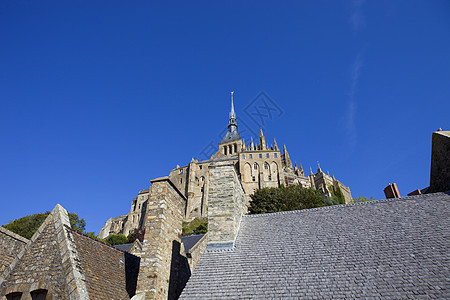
266,166
39,294
230,148
225,150
14,296
255,166
235,148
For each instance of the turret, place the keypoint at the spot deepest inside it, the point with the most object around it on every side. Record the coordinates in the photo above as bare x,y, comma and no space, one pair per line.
262,140
275,146
252,146
287,159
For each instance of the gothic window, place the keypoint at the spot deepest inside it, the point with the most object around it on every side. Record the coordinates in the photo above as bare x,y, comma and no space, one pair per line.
275,155
230,148
260,156
235,148
255,166
251,156
266,166
267,155
225,150
38,294
270,178
253,178
14,296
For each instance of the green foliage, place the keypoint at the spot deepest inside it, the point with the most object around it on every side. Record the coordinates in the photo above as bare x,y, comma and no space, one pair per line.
293,197
116,239
337,195
28,225
362,199
196,226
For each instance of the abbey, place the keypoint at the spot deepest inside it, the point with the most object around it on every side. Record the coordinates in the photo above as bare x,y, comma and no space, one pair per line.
258,165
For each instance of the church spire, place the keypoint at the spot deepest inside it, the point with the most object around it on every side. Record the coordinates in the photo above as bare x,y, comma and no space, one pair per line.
232,125
275,146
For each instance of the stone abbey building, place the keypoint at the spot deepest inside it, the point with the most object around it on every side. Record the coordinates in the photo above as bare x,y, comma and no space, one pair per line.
258,165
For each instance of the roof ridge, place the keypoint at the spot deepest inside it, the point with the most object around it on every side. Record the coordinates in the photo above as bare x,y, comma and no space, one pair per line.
372,202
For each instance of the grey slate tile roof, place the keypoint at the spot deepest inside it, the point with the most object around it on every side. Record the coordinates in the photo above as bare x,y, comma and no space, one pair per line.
396,248
190,241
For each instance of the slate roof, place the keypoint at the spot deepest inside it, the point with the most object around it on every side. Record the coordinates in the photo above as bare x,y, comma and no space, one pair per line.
190,241
396,248
123,247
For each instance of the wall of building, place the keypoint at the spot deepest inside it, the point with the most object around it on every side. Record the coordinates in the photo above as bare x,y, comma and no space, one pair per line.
440,162
161,263
226,204
10,246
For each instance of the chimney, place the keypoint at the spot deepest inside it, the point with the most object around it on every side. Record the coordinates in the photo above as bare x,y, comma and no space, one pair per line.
391,191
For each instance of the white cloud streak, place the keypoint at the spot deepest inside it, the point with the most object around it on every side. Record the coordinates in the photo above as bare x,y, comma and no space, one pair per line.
357,19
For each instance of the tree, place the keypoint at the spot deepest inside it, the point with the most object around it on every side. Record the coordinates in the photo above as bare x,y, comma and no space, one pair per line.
337,195
362,199
116,239
293,197
28,225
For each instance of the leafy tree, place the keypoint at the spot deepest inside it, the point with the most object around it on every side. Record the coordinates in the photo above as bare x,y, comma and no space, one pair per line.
293,197
28,225
337,195
362,199
196,226
116,239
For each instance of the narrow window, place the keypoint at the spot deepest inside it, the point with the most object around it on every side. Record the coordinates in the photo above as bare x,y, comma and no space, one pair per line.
200,167
270,178
201,189
266,166
243,156
253,178
267,155
275,155
235,148
181,180
230,148
38,294
225,150
14,296
255,166
260,156
251,156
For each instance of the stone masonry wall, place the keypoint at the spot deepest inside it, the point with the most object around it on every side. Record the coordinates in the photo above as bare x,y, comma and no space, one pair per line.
10,246
226,204
40,266
162,240
440,162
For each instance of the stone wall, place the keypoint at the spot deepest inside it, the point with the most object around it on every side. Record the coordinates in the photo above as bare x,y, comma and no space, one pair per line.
226,205
440,162
10,246
46,263
162,267
196,252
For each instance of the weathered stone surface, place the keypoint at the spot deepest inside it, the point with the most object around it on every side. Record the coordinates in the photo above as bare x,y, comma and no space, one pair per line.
161,272
10,246
440,162
226,204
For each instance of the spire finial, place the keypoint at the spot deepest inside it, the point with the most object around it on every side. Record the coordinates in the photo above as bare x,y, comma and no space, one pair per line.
232,104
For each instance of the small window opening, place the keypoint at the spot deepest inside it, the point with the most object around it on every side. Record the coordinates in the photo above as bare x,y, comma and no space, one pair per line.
253,178
181,171
255,166
267,155
270,178
275,155
38,294
251,156
260,156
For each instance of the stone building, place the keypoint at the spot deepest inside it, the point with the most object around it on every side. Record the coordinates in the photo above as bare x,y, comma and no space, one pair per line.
259,165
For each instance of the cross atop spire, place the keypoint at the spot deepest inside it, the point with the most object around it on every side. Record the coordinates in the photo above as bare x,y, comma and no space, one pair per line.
232,125
232,107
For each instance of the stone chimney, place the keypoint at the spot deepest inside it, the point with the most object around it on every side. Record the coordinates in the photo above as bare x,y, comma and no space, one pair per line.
161,265
440,162
225,205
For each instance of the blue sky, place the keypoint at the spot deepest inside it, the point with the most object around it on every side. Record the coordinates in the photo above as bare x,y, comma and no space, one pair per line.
99,97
